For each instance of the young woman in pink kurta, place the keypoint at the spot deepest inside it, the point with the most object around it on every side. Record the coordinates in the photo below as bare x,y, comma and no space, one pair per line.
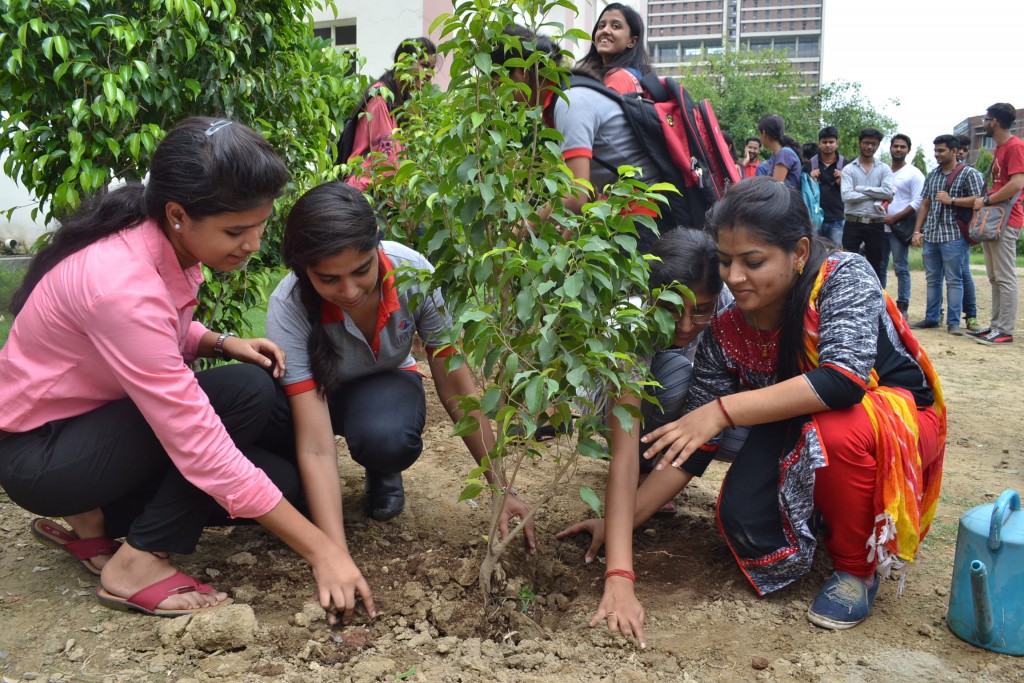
103,422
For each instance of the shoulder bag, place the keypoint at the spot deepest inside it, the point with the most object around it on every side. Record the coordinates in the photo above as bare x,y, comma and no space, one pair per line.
989,220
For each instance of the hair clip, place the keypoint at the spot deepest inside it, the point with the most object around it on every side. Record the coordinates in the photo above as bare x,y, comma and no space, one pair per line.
217,125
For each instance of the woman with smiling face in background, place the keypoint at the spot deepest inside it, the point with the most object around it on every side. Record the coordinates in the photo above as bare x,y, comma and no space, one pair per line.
103,423
617,54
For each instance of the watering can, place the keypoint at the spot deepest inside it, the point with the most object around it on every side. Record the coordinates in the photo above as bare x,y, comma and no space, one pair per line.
986,601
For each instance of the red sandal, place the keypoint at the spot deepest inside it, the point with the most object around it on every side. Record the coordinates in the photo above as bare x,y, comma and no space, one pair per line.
51,534
147,599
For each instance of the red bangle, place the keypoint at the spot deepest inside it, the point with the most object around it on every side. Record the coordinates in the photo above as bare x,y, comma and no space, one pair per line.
624,573
725,412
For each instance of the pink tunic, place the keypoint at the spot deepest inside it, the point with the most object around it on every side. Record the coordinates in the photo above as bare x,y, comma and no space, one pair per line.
114,320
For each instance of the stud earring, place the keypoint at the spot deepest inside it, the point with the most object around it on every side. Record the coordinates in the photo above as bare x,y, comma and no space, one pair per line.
177,226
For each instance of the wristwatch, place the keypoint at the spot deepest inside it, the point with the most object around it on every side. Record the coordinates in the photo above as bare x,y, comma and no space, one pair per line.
985,200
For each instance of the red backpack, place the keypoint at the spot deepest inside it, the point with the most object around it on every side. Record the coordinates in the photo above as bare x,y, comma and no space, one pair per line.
684,142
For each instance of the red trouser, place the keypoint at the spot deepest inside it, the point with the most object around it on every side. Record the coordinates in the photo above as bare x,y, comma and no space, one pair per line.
844,490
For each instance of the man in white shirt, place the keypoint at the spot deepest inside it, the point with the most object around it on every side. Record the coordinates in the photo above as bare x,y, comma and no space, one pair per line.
908,182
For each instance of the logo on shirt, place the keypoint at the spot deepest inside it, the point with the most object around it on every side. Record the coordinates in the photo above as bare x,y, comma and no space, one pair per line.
406,329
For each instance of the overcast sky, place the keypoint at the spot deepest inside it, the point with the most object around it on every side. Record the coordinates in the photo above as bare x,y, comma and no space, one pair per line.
943,60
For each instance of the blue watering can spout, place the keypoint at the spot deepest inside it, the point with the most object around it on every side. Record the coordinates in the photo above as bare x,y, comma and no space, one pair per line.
983,620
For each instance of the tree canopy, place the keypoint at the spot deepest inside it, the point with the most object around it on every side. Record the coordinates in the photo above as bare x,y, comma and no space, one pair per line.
90,86
745,85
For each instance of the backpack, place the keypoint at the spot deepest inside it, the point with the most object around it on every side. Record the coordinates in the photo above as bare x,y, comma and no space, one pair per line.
684,142
812,199
840,162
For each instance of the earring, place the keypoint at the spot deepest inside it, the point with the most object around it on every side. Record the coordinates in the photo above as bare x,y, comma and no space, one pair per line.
800,267
177,226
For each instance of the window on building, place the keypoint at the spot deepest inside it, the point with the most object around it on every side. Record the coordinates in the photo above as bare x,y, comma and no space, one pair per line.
341,35
787,46
809,47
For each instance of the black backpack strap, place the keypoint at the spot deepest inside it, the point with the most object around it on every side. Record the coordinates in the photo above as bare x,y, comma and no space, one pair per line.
654,87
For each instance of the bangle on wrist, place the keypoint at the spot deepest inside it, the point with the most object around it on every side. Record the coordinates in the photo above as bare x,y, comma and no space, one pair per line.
624,573
218,346
725,412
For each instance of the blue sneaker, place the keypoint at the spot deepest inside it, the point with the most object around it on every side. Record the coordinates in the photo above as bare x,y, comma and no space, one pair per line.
843,602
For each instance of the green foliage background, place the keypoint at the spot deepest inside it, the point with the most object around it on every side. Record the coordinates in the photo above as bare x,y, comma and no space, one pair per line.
90,86
744,85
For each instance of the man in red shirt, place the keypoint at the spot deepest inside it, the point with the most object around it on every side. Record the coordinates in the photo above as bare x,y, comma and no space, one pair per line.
1001,254
751,157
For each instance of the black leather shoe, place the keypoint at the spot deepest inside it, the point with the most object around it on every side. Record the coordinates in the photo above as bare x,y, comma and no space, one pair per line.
385,497
923,325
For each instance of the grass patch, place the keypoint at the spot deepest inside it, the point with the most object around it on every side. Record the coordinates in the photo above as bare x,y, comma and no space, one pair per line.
257,316
10,280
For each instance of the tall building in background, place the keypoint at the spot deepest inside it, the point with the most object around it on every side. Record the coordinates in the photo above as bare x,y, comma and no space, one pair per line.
678,32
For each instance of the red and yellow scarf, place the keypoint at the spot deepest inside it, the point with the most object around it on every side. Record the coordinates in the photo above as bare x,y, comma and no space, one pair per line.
904,503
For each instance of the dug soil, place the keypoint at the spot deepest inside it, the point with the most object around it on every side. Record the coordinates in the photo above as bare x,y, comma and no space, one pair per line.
704,623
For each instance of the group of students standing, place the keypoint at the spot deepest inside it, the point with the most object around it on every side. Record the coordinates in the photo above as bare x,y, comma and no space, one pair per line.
790,357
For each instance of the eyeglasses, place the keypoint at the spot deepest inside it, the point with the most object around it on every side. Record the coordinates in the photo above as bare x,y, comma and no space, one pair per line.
987,118
697,319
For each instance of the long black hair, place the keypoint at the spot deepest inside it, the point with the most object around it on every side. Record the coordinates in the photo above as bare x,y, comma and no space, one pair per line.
774,126
411,49
775,214
635,57
689,257
325,221
209,166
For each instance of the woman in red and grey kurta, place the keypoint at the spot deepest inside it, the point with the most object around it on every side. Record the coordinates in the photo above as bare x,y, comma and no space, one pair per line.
415,60
845,409
348,332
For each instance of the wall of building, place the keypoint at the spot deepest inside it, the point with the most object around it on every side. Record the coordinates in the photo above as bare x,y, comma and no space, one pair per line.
20,227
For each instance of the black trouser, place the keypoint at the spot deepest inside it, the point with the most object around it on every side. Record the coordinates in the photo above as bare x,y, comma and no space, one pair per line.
381,417
871,236
110,458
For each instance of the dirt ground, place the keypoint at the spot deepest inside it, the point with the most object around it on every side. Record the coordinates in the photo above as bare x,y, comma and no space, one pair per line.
705,623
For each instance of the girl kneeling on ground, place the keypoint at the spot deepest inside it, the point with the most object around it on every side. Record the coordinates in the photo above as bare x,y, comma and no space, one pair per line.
348,332
104,423
689,258
845,409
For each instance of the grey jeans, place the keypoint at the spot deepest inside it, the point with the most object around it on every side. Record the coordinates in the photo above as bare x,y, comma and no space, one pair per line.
1001,267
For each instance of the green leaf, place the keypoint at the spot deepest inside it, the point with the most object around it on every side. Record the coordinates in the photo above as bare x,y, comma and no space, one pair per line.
536,398
593,501
471,490
466,425
60,44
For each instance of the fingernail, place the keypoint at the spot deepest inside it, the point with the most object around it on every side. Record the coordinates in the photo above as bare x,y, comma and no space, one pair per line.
588,560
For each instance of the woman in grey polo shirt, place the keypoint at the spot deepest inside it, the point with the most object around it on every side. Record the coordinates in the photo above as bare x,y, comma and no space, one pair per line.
347,331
